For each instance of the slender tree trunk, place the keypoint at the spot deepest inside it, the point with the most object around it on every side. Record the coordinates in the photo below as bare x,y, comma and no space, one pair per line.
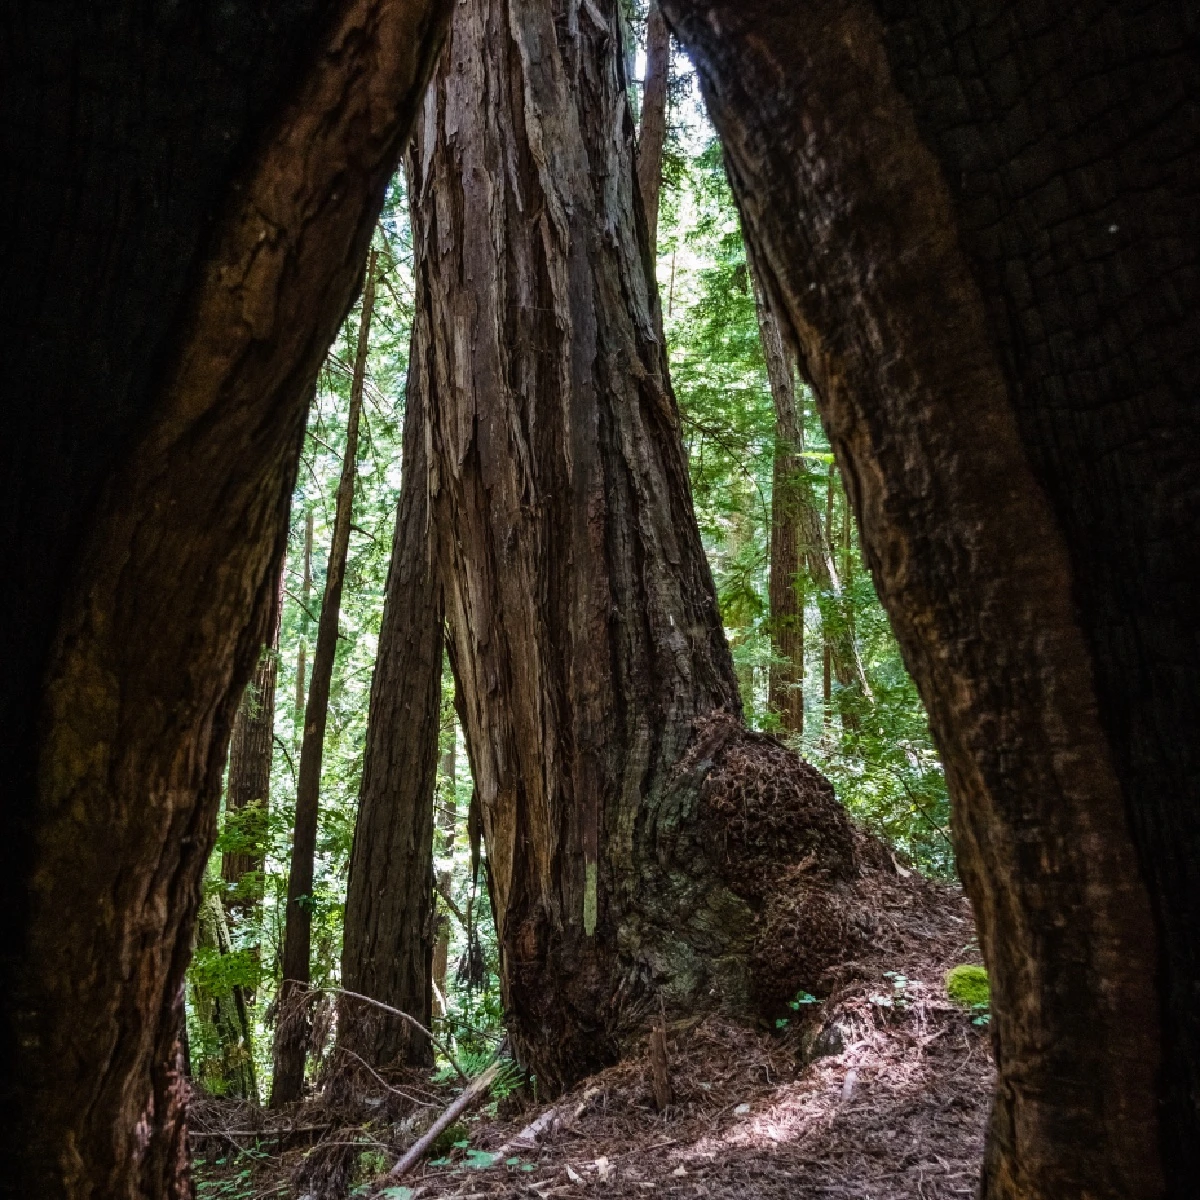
584,621
291,1023
388,944
796,527
302,650
652,135
230,1071
993,289
447,822
785,588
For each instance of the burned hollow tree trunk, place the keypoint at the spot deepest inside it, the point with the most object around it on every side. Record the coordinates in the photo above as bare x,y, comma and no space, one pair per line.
388,946
994,291
291,1023
582,612
147,478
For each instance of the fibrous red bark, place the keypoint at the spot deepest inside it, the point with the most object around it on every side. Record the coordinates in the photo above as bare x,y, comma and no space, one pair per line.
974,226
583,618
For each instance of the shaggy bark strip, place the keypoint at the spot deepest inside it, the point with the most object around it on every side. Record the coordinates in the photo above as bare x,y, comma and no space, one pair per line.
585,629
169,604
974,429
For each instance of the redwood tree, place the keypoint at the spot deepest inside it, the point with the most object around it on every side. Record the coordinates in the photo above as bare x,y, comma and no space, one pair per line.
291,1020
978,224
248,792
785,587
388,942
584,623
652,134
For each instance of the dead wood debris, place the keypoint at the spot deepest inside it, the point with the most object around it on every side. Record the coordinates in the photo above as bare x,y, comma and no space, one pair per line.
879,1090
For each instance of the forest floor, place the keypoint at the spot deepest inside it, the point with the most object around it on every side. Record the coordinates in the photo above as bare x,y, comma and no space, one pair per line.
879,1091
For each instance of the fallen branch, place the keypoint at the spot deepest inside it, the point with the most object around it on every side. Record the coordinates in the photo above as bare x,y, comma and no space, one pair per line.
467,1099
404,1017
529,1137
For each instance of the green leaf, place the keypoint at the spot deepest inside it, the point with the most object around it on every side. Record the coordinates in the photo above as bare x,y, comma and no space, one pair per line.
479,1159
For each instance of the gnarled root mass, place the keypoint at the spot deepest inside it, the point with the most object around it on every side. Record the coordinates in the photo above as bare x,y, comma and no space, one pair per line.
766,881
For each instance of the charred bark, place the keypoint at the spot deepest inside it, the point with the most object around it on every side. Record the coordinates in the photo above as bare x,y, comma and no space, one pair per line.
291,1026
147,474
388,947
994,292
582,613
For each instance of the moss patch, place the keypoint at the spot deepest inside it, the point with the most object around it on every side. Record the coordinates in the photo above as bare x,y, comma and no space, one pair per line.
968,985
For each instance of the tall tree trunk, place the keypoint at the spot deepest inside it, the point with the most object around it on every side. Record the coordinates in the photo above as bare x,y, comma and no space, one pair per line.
785,587
447,821
994,291
248,792
302,649
388,943
147,477
796,528
582,612
841,658
652,135
230,1071
291,1024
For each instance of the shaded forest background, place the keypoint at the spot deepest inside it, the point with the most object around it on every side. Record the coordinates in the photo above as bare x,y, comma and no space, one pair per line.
872,742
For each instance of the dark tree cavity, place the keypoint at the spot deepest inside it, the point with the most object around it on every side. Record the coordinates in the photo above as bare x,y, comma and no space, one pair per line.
193,192
978,228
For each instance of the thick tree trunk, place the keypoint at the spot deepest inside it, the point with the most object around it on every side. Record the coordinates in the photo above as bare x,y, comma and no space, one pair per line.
291,1026
584,621
652,135
388,946
785,586
994,291
230,1071
146,475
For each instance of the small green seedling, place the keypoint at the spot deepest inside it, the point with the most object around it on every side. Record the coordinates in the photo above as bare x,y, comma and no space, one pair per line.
801,999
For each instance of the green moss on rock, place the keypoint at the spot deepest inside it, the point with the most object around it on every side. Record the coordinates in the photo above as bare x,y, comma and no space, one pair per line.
968,985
